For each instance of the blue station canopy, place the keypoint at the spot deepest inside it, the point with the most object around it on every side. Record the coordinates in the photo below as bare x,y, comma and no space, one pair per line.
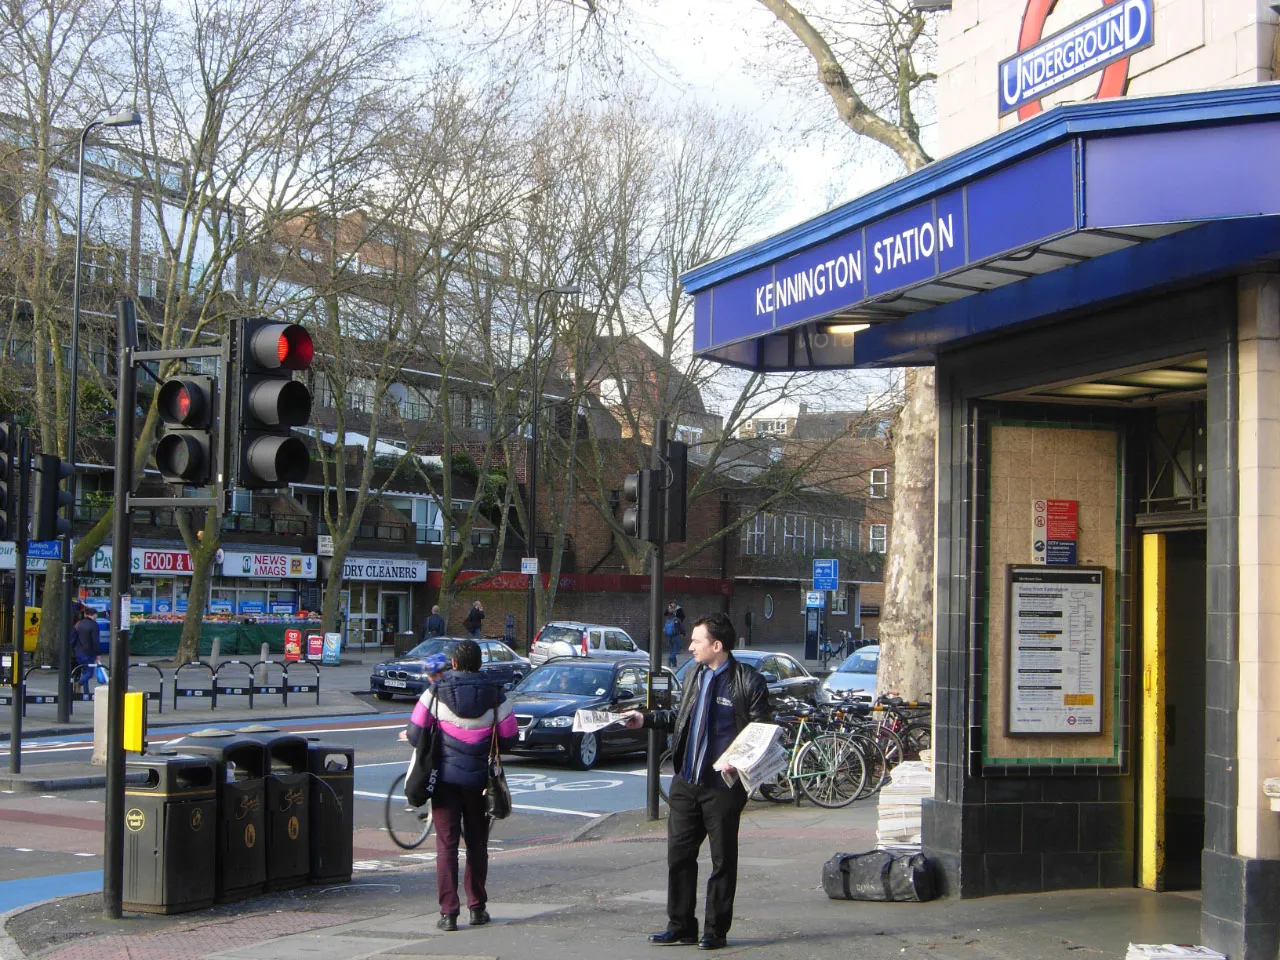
1084,205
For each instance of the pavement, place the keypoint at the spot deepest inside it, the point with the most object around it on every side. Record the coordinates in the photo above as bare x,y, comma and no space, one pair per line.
601,893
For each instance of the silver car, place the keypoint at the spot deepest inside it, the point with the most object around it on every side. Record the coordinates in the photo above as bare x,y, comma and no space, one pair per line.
573,638
855,677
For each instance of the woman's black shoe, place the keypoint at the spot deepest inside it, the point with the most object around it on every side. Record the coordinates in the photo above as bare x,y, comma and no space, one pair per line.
479,916
448,922
669,938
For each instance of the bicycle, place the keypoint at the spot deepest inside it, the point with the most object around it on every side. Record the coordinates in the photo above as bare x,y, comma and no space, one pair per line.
828,767
408,825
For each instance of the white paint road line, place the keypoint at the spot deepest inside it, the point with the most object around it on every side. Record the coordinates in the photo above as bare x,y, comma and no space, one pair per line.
368,794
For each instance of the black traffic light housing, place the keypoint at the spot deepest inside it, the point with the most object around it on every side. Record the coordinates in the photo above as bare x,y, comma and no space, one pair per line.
9,469
677,486
268,353
50,499
641,492
188,452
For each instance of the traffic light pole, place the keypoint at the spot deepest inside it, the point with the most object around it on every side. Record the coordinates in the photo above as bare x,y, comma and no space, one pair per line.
113,841
22,479
656,637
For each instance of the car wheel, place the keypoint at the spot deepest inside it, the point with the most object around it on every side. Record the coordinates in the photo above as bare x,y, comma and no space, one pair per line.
383,696
584,751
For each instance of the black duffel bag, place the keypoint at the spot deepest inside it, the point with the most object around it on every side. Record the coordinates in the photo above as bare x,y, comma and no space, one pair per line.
878,875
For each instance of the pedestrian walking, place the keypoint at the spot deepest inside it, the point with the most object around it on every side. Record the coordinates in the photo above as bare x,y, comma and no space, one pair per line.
435,625
471,709
720,699
474,619
85,644
673,631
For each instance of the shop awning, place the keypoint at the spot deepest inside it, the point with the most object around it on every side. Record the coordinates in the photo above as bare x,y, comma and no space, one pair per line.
1083,205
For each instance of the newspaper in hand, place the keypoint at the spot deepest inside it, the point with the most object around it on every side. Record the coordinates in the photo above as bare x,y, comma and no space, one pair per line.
756,756
589,721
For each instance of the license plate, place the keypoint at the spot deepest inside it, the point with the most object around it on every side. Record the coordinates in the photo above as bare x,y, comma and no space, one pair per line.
522,733
399,684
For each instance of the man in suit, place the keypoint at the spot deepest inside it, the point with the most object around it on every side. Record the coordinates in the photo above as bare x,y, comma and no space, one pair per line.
721,697
434,626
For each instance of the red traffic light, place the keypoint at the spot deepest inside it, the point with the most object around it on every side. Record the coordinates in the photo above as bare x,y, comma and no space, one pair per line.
186,401
281,346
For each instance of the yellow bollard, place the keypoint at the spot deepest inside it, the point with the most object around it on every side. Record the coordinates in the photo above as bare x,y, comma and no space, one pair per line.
135,722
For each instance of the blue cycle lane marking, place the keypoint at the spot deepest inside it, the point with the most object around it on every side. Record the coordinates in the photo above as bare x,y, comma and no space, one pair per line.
28,890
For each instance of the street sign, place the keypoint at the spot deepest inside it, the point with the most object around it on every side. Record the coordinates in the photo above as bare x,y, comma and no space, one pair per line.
529,566
813,600
44,549
324,545
826,574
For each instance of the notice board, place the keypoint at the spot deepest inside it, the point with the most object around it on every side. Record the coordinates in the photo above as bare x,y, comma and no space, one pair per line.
1054,649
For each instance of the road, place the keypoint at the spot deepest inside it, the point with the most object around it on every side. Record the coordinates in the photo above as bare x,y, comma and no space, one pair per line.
51,845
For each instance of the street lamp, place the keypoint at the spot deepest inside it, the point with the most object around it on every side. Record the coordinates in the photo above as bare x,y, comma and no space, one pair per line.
531,533
126,118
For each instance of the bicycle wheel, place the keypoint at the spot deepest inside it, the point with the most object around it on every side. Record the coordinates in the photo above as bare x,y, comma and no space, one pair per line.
877,770
916,737
408,825
830,771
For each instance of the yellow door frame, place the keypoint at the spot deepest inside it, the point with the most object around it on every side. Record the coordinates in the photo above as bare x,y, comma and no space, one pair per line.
1154,625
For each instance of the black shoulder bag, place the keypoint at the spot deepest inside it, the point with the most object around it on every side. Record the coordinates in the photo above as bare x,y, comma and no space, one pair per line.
420,783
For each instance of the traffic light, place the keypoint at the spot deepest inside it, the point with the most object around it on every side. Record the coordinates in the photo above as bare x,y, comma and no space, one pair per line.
9,468
50,498
677,484
272,403
642,490
187,454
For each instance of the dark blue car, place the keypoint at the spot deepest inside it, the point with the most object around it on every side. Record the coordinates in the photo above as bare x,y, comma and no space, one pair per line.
406,676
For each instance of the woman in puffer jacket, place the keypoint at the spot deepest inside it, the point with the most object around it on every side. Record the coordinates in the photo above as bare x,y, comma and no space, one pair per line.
468,706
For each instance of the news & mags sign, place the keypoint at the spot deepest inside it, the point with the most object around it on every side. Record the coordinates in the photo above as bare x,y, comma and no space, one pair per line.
1102,41
269,566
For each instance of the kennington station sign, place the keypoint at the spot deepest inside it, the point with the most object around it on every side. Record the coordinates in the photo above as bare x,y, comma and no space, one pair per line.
1117,30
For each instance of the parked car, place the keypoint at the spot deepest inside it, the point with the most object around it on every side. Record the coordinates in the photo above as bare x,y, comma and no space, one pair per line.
405,676
546,700
855,677
572,638
785,675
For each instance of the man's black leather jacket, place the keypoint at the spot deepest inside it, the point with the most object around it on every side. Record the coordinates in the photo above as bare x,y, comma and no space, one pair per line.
748,690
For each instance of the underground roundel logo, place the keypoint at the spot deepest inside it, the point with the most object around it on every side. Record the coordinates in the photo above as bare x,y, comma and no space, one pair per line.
1101,41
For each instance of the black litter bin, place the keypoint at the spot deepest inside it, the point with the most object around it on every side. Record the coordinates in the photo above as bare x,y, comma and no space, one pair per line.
332,769
288,817
240,763
170,838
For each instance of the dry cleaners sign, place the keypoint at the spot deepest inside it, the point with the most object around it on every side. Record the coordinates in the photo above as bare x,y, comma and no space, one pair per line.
384,568
1106,37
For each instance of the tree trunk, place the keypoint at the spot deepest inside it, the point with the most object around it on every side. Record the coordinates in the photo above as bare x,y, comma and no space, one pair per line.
906,630
201,575
48,647
330,622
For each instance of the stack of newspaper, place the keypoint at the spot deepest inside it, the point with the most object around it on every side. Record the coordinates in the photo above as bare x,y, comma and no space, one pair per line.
1170,951
899,812
756,756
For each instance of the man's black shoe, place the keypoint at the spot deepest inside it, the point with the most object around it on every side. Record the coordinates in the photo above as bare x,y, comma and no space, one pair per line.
479,916
669,938
448,922
709,942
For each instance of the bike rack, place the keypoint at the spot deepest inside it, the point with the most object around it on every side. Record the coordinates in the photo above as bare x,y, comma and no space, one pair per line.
266,687
290,687
227,690
28,697
198,692
156,696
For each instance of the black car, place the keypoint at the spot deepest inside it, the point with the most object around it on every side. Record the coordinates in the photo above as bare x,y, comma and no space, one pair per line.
406,676
785,675
546,700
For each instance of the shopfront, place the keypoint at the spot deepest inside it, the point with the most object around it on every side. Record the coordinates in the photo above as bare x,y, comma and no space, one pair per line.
377,596
262,583
1098,289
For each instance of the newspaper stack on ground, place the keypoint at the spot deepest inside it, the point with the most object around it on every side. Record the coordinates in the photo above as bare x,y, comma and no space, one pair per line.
900,799
590,721
756,756
1170,951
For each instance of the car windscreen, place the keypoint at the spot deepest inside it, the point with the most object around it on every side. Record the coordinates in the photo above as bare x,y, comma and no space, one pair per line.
436,645
551,633
571,679
860,662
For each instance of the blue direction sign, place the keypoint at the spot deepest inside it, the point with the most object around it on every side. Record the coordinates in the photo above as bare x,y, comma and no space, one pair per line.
826,574
44,549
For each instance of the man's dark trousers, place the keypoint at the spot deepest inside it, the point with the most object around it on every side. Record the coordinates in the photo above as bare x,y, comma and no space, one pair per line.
697,813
